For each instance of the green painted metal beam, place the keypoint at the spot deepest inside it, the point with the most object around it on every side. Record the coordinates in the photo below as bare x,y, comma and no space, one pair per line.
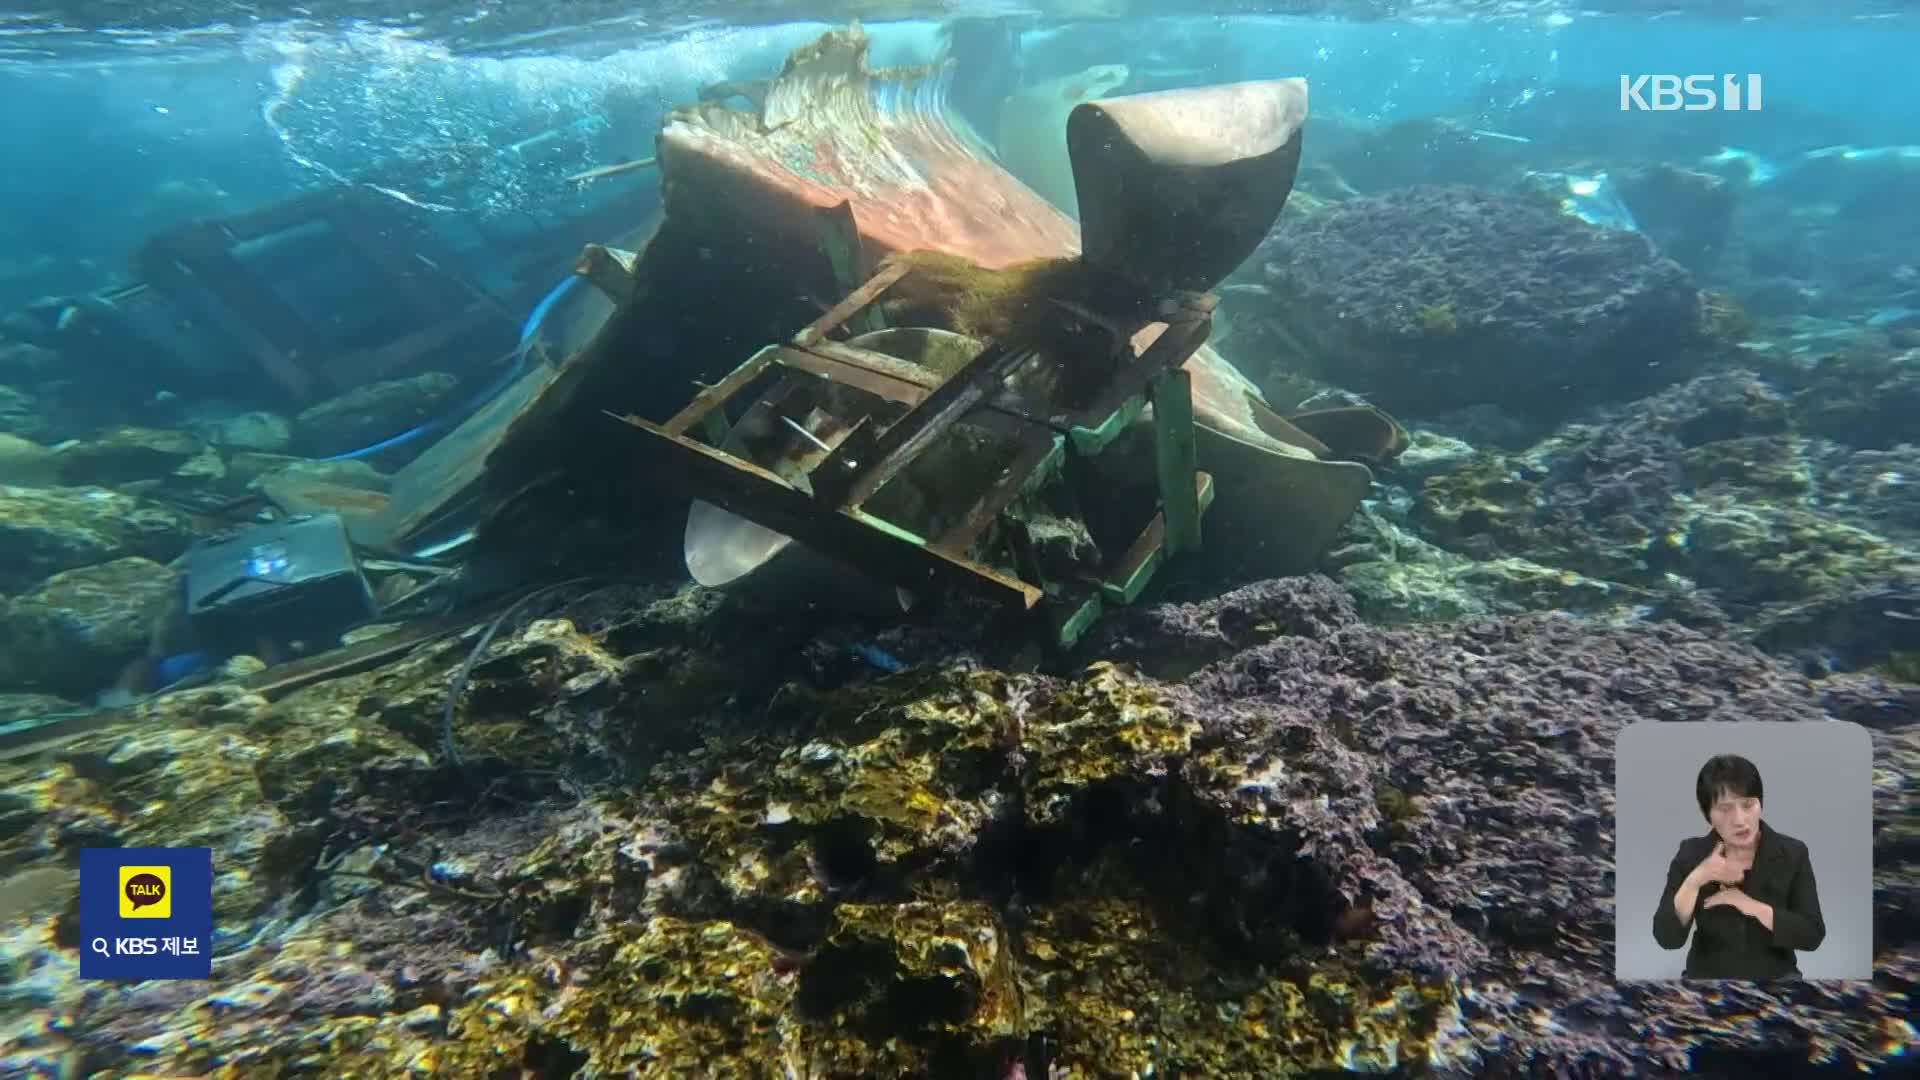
1091,440
1128,589
1077,624
1177,459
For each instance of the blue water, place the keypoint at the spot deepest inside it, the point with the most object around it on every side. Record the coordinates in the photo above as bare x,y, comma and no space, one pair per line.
108,146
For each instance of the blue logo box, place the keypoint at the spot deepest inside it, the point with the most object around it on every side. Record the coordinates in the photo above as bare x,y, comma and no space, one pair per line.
146,913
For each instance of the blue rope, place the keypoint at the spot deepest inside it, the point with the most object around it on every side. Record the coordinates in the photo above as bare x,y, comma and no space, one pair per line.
487,394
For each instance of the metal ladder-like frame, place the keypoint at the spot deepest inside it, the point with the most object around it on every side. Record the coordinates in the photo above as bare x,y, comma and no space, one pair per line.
833,520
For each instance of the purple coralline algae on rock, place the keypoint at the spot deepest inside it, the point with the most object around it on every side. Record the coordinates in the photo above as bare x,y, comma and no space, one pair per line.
1436,298
1707,483
1326,845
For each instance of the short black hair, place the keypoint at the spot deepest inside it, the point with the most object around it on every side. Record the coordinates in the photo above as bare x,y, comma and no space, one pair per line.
1729,773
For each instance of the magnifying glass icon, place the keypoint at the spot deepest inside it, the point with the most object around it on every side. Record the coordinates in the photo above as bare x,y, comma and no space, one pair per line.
100,946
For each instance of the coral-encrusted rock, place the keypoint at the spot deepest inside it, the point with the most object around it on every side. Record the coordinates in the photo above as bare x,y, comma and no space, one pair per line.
1458,711
1430,453
28,706
1334,846
250,471
922,967
1434,298
76,631
264,432
1850,629
1760,553
1705,480
25,463
1879,489
45,531
151,783
1173,640
1859,249
1396,576
125,454
1863,397
1896,837
1872,702
1688,214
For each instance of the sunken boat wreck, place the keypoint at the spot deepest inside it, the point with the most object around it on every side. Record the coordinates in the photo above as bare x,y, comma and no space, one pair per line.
914,777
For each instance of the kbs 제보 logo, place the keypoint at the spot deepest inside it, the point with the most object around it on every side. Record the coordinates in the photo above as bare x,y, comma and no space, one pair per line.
146,913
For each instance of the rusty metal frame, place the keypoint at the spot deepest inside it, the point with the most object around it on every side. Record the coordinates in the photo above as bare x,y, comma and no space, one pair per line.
832,518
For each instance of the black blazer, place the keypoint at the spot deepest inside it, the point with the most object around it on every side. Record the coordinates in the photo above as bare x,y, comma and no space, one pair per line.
1728,944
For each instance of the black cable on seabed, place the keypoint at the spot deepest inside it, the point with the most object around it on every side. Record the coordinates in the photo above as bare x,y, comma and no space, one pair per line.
466,669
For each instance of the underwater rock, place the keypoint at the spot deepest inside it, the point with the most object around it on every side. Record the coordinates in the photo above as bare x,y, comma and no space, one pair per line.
204,470
249,471
1703,484
1430,453
676,930
1873,702
261,431
154,781
1488,426
1309,854
1862,398
58,411
1687,214
127,454
1877,489
20,415
921,968
1431,299
367,414
27,706
676,658
1778,295
1460,710
45,531
1764,553
25,363
1172,640
1839,216
1896,835
1873,626
24,463
1396,577
1062,545
77,631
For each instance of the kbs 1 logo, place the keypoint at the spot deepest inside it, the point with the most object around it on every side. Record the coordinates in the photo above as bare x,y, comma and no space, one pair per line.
1692,93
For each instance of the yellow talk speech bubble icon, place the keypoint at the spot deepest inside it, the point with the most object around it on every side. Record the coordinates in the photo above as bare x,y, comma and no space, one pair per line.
146,892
